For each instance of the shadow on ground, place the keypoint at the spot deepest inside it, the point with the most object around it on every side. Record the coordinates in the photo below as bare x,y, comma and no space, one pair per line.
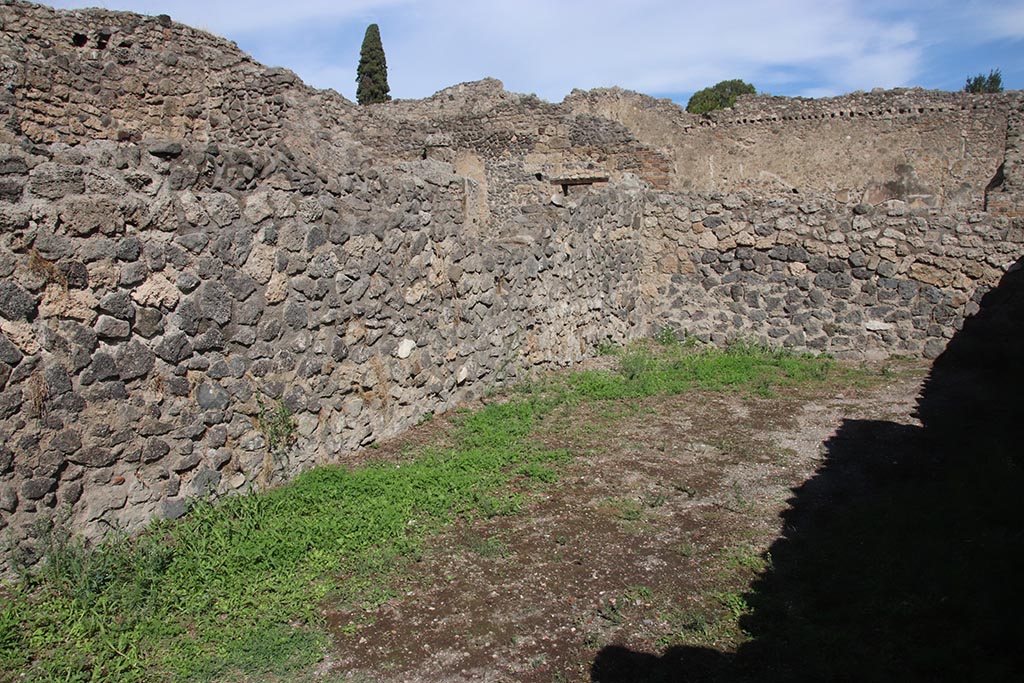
903,557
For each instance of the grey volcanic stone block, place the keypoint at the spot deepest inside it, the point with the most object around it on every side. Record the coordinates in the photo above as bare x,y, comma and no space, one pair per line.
10,402
174,508
128,249
9,353
187,282
210,340
154,450
8,499
75,274
214,302
135,360
36,488
108,327
204,481
15,302
174,348
166,150
119,305
52,181
11,189
66,441
103,366
13,165
212,396
149,322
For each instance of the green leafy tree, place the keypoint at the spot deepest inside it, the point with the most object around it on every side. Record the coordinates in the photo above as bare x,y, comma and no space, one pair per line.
718,96
372,73
982,83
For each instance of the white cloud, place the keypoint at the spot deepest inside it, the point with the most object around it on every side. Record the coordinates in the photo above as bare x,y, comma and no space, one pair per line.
1006,21
227,17
656,46
648,46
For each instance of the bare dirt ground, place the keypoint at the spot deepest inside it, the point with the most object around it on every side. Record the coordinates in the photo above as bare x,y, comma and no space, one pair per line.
650,538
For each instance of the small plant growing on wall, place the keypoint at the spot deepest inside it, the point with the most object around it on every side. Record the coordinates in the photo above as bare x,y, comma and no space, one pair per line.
666,336
985,84
277,425
45,269
719,96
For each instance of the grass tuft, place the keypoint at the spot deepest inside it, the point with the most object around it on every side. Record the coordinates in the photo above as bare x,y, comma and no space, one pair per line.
672,368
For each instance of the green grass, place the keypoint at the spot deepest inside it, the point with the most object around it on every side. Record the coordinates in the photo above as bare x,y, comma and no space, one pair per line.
672,368
235,589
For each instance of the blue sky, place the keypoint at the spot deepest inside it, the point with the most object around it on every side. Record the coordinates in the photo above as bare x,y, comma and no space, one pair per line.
664,48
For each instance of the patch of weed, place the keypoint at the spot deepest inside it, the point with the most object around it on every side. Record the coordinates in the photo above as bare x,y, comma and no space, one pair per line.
490,547
746,557
609,611
626,509
734,602
45,269
639,594
654,500
685,549
666,336
277,426
537,472
488,505
715,624
672,368
685,626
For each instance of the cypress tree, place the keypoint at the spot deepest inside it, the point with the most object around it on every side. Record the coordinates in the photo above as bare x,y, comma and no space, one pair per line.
372,73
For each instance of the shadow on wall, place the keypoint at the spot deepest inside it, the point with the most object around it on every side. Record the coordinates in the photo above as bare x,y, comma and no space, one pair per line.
903,557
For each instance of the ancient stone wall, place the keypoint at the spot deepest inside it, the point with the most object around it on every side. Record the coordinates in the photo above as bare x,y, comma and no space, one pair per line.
931,149
149,334
1005,194
522,144
819,275
70,77
77,76
213,277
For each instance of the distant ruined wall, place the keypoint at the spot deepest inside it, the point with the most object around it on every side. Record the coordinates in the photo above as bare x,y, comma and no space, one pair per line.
932,149
522,142
1005,195
189,240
